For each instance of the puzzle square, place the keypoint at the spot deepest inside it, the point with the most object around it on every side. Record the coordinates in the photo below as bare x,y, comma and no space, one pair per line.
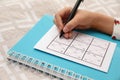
100,43
93,59
97,50
55,46
83,38
65,41
74,52
79,45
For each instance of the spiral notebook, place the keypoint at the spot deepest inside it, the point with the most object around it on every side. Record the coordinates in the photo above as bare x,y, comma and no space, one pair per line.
24,53
81,48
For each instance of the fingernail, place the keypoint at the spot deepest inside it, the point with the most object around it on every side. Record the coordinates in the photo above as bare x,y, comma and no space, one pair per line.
65,29
66,36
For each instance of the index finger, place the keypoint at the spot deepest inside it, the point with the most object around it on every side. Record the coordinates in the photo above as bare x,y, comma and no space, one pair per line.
60,17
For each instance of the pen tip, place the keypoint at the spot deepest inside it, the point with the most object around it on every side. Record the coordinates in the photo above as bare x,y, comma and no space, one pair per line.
61,34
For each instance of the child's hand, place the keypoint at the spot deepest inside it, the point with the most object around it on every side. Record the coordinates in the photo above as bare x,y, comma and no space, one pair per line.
82,20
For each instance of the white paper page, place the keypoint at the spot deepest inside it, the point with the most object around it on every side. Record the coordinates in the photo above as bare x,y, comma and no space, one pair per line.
82,48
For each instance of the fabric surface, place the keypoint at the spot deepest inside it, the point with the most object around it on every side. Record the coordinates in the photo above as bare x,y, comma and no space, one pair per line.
18,16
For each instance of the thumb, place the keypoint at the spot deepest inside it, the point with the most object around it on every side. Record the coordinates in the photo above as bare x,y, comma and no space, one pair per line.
70,25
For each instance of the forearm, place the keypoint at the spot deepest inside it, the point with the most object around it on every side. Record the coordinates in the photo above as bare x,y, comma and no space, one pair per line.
103,23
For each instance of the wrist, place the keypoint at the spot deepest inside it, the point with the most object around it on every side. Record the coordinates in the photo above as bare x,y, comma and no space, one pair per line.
95,20
103,23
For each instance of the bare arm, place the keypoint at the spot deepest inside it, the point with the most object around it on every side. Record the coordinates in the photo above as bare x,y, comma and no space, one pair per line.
103,23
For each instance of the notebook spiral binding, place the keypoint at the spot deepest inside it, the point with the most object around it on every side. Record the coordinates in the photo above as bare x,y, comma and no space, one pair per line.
61,73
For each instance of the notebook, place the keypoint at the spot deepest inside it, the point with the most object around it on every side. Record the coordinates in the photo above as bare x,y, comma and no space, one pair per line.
24,53
81,48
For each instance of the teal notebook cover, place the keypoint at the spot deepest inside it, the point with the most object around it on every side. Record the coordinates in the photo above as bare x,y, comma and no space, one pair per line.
26,47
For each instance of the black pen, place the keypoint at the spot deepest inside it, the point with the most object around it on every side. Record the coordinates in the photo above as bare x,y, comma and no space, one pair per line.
72,14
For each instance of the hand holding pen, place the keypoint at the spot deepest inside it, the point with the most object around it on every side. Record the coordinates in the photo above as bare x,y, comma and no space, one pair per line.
83,19
71,15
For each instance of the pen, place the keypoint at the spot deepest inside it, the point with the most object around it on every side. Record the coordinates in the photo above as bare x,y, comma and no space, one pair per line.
72,14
